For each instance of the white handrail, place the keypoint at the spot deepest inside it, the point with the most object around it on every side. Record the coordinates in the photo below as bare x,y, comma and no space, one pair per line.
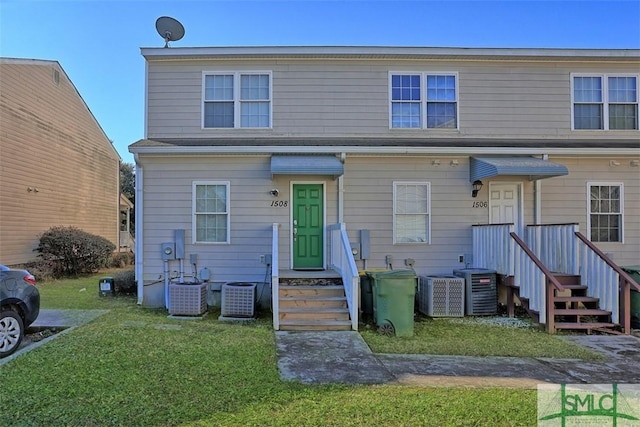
275,280
341,260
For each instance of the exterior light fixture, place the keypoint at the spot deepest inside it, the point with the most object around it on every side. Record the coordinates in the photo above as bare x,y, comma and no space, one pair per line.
274,192
477,186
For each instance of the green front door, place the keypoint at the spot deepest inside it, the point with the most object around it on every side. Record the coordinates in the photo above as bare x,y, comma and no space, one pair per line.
308,227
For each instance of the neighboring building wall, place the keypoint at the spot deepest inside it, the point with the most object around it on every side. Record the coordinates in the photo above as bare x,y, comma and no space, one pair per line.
498,99
51,143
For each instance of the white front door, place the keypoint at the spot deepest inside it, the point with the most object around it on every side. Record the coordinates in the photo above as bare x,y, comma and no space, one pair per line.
505,204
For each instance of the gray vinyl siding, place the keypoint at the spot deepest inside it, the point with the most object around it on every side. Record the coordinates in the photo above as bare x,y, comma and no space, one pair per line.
499,99
51,142
168,206
565,200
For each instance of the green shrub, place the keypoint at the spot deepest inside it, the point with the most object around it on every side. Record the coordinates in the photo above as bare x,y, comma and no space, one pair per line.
125,282
71,252
122,259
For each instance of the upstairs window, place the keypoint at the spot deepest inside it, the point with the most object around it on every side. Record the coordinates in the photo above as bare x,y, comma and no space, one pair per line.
237,100
605,214
411,212
605,102
423,100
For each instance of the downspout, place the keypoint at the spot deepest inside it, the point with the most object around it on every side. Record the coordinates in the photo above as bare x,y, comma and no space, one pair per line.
537,198
139,228
343,157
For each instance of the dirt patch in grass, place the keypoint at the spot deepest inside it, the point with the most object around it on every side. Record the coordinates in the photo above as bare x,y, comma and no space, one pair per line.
34,335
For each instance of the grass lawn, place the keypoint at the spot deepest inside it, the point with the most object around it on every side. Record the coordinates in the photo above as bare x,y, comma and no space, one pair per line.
468,337
135,367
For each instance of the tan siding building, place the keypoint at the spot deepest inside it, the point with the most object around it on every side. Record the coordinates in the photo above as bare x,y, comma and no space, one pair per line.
411,130
57,165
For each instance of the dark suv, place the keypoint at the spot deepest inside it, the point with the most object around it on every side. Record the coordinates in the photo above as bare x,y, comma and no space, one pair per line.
19,307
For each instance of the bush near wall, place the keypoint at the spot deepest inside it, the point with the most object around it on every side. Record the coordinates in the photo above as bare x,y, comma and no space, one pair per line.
122,259
70,252
125,282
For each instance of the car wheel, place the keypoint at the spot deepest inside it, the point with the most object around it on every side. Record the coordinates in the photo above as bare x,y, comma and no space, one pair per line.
11,332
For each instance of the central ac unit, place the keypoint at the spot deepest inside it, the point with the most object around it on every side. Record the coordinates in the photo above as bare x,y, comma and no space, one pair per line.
482,291
441,296
238,300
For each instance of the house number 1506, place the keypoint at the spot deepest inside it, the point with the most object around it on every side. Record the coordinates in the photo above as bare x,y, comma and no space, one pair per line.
480,204
279,203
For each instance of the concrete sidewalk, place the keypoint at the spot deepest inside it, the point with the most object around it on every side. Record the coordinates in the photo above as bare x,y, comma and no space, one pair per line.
344,357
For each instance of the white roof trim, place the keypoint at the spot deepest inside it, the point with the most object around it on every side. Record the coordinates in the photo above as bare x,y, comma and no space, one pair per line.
474,151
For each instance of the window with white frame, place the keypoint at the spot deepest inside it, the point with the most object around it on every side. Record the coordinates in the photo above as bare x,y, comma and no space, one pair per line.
423,100
237,100
605,212
606,102
211,212
411,212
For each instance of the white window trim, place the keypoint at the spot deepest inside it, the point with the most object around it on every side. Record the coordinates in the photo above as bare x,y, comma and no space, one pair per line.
608,184
423,99
193,211
605,100
428,213
236,97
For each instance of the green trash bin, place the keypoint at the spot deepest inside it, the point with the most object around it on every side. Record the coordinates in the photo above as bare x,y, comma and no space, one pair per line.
366,295
394,293
634,272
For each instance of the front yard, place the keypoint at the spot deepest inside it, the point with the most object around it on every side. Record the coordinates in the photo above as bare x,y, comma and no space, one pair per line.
136,367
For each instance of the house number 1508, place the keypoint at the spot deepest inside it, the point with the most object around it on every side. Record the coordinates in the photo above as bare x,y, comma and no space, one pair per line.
279,203
480,204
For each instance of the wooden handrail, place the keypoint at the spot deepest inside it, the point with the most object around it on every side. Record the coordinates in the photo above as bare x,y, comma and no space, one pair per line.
609,262
549,275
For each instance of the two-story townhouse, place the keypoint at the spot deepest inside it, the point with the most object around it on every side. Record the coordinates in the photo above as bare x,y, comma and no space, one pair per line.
273,160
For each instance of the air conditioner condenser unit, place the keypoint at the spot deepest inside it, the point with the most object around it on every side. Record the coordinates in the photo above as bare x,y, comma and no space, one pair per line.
238,300
441,296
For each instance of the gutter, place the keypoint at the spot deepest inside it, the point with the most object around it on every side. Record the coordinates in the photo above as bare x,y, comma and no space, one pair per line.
139,228
363,150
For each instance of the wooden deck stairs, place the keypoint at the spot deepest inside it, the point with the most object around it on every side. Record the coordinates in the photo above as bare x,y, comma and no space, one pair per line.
573,309
313,303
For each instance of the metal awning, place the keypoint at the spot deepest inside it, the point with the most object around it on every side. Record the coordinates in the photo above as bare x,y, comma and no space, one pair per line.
306,165
534,168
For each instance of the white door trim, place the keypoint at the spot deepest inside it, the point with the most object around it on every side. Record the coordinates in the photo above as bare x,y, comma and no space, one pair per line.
518,188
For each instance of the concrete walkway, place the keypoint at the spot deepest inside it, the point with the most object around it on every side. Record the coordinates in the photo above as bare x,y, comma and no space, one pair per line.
344,357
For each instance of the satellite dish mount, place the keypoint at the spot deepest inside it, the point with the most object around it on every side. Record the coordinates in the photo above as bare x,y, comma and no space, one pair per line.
169,29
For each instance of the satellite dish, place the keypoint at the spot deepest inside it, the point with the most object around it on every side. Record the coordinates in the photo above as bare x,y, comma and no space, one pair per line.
169,29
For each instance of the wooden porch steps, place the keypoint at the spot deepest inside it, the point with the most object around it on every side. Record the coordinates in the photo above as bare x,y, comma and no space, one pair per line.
307,307
573,309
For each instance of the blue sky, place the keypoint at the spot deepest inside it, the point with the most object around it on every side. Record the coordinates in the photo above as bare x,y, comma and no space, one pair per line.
98,42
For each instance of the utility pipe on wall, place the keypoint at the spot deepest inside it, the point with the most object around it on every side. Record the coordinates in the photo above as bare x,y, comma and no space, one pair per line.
343,157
